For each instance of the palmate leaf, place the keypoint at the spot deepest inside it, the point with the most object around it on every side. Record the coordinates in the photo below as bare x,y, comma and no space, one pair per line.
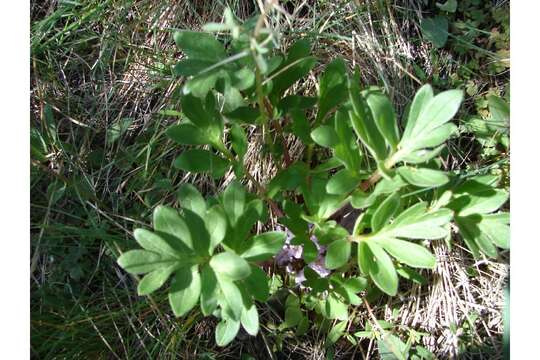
427,122
384,212
226,331
416,222
231,303
154,280
190,67
144,261
338,253
332,88
408,253
201,161
435,30
362,120
423,177
381,269
190,198
188,134
297,65
343,182
250,320
264,246
199,45
202,114
428,126
209,290
333,308
169,223
185,290
257,284
384,117
230,265
474,203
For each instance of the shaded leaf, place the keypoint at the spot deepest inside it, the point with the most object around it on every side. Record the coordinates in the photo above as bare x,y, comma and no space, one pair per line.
185,290
264,246
338,253
230,265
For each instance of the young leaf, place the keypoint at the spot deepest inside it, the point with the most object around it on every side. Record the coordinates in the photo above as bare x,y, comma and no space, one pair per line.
234,201
346,150
153,242
336,332
296,66
185,290
143,261
230,265
423,177
362,121
226,331
438,111
216,224
342,182
264,246
338,253
188,134
209,290
497,231
435,30
333,308
384,212
190,198
383,114
199,234
483,203
409,253
332,88
421,99
365,258
325,136
189,67
244,115
200,161
154,280
168,221
239,140
201,111
257,284
199,45
250,320
382,270
293,315
231,296
448,5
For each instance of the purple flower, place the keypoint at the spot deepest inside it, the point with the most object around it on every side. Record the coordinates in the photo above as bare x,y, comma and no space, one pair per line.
291,253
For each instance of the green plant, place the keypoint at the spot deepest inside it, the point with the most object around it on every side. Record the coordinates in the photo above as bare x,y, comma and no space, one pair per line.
355,154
